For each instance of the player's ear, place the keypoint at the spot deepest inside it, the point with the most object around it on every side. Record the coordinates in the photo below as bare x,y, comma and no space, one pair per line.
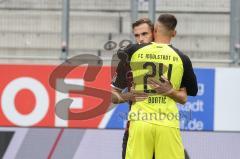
156,27
174,33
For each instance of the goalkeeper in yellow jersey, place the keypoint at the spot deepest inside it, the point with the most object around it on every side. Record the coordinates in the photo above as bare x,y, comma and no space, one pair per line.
143,33
158,72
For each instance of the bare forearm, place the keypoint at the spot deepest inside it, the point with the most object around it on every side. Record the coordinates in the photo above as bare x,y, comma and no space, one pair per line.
179,96
134,96
164,87
118,97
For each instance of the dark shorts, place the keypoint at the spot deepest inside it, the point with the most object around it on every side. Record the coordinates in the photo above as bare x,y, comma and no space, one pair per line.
124,144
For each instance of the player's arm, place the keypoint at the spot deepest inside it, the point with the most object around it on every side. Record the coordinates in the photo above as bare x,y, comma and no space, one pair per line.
119,97
188,86
180,96
164,87
189,80
120,82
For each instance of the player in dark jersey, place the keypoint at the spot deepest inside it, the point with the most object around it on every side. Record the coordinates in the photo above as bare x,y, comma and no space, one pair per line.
143,33
121,82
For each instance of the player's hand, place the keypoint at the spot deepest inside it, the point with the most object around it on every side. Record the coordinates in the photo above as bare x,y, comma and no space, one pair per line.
162,86
136,96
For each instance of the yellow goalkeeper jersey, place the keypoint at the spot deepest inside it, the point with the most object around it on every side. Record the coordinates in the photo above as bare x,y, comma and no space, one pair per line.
140,62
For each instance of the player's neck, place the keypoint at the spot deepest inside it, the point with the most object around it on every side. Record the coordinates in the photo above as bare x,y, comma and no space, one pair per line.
162,40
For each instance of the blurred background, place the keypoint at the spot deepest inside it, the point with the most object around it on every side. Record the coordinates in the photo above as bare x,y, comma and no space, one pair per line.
38,35
35,29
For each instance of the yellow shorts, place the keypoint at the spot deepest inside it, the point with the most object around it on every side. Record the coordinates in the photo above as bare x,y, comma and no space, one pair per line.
145,139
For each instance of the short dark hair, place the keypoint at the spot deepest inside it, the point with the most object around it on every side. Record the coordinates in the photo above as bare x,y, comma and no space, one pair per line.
142,21
168,20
